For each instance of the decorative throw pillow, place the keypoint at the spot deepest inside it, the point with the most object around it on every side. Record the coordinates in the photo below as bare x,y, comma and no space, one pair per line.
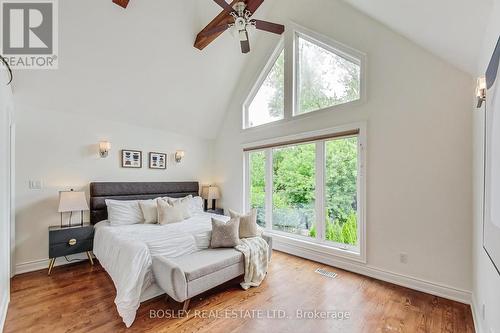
124,212
149,210
172,200
184,204
225,234
168,214
248,223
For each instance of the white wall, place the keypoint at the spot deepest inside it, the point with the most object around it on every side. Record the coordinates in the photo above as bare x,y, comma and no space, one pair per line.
5,218
141,58
486,280
419,188
61,150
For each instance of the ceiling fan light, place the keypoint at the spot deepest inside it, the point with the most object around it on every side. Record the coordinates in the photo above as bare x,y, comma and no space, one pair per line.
243,35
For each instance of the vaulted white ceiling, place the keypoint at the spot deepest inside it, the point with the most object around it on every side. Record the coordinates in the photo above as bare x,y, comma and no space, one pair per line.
139,65
451,29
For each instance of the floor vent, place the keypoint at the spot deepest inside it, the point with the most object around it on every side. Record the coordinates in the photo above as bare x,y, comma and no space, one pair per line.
326,273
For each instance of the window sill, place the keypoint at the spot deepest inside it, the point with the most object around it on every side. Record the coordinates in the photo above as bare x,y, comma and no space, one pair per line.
300,117
316,246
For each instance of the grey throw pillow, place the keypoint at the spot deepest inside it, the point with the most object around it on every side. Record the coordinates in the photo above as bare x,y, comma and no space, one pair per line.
225,234
248,223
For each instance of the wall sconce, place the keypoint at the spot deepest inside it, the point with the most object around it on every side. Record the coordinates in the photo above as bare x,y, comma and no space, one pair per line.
104,148
179,155
481,91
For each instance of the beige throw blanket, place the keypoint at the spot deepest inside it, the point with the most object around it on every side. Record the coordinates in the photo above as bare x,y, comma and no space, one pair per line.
256,252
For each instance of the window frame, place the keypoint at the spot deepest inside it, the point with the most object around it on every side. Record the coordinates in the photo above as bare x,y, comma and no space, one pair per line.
318,243
288,43
258,84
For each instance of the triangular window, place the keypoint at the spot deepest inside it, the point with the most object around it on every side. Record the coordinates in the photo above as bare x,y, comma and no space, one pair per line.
267,105
325,77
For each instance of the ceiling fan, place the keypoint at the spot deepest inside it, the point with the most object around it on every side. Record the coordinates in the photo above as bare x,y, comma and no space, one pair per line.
238,14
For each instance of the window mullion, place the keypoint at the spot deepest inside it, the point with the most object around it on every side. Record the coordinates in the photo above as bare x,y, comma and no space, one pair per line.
269,189
320,190
289,77
361,196
246,175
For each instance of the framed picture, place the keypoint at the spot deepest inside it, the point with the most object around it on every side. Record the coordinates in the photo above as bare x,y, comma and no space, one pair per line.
131,159
157,161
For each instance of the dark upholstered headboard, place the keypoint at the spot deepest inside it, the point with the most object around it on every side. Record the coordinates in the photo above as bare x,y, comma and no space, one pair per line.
99,192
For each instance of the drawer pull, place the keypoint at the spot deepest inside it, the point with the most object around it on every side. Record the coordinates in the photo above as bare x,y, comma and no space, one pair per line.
72,242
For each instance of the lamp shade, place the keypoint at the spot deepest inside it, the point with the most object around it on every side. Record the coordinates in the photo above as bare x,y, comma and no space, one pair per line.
104,146
210,192
71,201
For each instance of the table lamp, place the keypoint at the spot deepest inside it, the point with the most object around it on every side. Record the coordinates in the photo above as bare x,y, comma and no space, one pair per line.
210,193
71,201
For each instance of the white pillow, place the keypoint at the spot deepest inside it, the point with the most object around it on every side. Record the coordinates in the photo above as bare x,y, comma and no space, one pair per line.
124,212
173,200
184,204
168,214
248,223
149,210
196,205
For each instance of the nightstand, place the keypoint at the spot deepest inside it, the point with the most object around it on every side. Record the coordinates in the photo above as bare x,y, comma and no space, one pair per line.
70,240
218,211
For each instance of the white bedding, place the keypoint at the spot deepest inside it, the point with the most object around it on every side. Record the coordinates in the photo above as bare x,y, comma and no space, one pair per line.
126,254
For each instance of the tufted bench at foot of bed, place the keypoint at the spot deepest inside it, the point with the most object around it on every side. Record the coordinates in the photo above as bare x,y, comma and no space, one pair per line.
187,276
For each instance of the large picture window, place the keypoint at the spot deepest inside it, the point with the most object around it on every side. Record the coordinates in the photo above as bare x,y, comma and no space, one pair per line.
294,188
314,188
307,72
257,184
341,191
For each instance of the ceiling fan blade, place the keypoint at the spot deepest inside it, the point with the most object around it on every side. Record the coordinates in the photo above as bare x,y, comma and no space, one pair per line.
214,30
269,27
121,3
224,5
223,18
253,5
245,43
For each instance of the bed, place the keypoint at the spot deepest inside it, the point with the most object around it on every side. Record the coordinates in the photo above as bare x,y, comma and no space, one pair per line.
126,252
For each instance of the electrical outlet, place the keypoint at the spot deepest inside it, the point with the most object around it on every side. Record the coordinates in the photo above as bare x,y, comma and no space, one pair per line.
403,258
35,184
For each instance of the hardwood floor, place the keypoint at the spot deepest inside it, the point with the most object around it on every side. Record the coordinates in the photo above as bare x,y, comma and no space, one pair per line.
80,298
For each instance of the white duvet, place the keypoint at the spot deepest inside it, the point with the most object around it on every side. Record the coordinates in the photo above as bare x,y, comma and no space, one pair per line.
126,254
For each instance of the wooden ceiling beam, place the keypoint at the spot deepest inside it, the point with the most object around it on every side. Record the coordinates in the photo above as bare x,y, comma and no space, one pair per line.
121,3
221,19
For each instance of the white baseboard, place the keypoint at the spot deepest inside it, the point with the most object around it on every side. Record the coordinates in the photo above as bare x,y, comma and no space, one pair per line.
379,274
477,316
37,265
3,310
